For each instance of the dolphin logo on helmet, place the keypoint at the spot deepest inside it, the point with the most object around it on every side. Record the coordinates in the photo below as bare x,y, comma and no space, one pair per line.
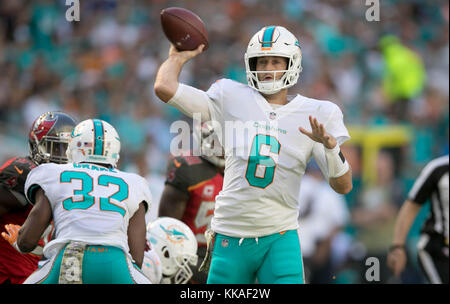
174,234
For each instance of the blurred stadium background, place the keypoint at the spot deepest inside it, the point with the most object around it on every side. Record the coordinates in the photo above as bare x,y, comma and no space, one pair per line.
390,78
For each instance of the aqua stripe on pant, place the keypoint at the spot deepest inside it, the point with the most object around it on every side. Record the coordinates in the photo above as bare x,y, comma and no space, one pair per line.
272,259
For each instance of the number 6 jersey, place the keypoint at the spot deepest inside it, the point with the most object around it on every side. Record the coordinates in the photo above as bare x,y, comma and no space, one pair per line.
90,203
265,154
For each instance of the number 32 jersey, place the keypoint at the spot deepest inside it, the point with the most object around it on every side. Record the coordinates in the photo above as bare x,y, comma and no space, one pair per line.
90,203
265,157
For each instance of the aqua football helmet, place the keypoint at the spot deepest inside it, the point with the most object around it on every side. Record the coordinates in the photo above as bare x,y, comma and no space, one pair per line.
49,136
94,141
176,246
273,41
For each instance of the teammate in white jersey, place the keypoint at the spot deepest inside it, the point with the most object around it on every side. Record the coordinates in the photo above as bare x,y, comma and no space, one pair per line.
98,213
255,217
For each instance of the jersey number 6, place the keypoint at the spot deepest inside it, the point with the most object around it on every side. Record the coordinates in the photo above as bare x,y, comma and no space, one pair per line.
259,160
87,186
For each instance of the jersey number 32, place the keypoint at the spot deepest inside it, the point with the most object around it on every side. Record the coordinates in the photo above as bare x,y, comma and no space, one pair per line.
87,186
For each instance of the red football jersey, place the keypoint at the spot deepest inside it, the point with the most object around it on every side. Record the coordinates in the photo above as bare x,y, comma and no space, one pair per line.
202,181
13,265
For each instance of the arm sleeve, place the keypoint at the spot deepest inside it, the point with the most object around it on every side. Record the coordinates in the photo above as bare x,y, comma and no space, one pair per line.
215,103
140,192
37,178
319,157
146,194
335,126
190,100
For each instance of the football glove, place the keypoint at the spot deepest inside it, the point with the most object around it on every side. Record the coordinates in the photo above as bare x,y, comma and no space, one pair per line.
12,232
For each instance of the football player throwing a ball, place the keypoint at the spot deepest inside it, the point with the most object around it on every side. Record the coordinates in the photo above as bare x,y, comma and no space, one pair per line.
254,227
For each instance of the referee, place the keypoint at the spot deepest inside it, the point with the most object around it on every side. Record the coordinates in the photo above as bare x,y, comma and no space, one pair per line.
432,184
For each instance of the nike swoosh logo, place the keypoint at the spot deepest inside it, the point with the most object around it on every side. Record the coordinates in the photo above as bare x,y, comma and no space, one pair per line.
18,170
177,163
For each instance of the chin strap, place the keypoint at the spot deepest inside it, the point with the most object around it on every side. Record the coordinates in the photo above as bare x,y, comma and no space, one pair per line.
206,263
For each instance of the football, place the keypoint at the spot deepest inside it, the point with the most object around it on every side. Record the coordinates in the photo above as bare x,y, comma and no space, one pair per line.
184,29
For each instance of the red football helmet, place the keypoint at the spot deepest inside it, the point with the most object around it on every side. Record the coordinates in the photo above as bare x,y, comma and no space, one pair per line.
49,136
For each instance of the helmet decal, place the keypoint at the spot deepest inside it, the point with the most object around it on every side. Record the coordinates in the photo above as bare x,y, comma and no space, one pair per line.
267,40
41,127
174,234
99,137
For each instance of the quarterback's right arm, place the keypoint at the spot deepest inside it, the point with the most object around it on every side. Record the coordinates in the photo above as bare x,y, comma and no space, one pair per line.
167,86
166,82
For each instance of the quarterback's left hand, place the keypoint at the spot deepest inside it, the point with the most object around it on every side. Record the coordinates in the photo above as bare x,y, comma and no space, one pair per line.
319,134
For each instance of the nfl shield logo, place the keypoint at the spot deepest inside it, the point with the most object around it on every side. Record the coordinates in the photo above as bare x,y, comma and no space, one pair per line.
272,115
224,243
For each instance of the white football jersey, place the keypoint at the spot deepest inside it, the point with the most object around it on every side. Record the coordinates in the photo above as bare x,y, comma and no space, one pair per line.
265,157
90,203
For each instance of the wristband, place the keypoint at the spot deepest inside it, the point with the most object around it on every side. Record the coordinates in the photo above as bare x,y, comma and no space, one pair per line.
394,247
336,162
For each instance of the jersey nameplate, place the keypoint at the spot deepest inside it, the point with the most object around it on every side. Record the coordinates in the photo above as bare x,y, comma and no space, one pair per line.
93,167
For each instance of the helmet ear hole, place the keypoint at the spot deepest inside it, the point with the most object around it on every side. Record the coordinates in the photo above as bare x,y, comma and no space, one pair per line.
166,252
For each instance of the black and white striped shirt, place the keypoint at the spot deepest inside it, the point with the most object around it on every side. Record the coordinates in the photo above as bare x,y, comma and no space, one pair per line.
432,184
